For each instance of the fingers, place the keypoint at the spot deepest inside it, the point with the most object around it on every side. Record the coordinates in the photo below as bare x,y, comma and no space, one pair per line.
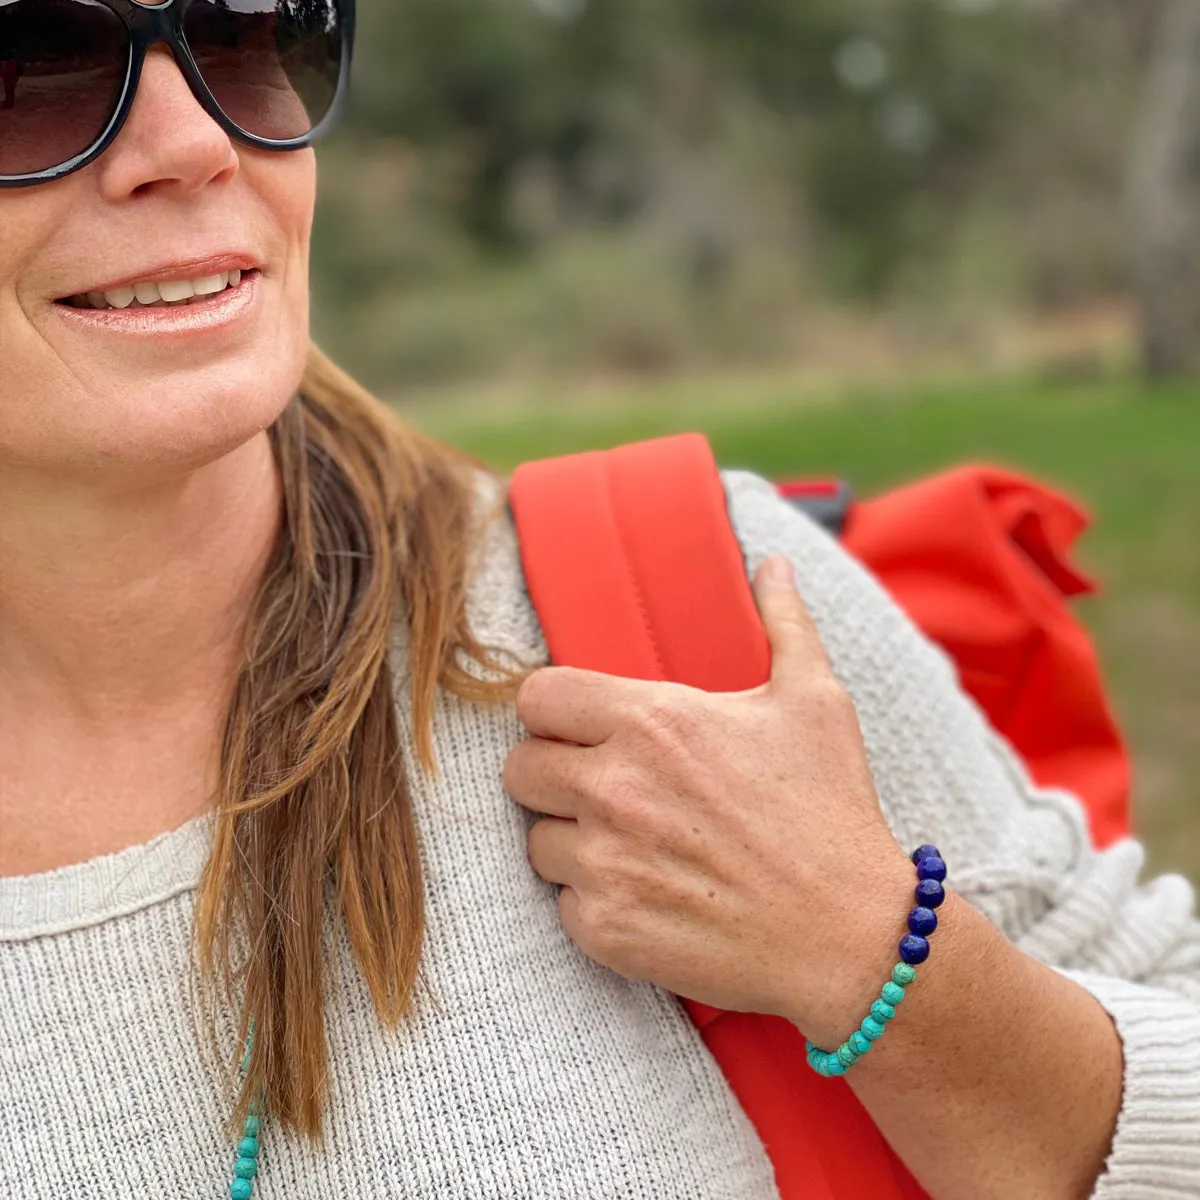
796,649
572,705
553,847
550,777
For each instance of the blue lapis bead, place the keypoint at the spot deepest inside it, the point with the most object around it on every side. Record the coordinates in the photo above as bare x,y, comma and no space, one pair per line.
248,1147
246,1168
922,921
241,1189
892,993
903,973
882,1011
913,949
859,1042
929,893
872,1029
925,851
931,868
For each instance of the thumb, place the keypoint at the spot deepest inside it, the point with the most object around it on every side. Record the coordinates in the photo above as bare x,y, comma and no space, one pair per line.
796,647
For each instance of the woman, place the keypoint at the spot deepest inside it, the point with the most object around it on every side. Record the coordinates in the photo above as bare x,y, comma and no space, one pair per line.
244,614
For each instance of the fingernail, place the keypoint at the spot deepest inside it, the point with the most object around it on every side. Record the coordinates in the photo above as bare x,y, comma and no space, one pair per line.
777,571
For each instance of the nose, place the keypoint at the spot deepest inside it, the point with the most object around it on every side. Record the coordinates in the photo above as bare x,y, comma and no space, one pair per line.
169,143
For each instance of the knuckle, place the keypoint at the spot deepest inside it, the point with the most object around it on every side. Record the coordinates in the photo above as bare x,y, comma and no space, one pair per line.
602,926
836,698
824,693
617,797
668,720
597,863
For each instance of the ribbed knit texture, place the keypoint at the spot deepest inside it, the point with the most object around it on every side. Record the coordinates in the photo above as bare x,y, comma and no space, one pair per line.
538,1073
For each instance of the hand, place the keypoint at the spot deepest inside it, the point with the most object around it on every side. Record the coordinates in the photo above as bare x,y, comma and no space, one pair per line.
728,847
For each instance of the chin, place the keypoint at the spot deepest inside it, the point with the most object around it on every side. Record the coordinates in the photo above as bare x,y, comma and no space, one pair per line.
185,419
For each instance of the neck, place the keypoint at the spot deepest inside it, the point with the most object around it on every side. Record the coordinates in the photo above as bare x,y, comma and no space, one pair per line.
122,614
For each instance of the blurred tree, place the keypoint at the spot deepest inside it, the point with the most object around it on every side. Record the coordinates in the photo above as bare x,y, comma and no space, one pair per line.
1165,193
617,173
486,85
886,102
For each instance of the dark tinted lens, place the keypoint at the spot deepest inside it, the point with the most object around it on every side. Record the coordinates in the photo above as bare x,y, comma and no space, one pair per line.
62,66
272,65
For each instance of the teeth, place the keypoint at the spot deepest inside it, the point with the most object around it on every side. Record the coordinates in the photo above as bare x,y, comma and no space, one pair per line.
179,290
149,294
121,298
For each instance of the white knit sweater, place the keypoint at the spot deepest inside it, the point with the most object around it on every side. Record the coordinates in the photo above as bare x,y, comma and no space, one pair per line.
538,1073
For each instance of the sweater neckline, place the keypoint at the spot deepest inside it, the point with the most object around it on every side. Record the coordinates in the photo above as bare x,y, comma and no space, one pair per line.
103,888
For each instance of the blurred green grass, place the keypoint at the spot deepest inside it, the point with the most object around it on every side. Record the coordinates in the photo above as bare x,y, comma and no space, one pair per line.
1131,453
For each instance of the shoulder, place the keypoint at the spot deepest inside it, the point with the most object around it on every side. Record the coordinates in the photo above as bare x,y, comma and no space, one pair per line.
864,631
499,609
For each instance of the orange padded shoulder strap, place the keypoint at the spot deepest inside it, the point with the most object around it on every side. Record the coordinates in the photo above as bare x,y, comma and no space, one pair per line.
634,569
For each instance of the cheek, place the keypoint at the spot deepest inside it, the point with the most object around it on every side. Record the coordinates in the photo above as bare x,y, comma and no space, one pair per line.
287,187
75,401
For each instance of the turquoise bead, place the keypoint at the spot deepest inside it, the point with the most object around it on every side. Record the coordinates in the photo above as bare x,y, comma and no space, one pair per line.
252,1126
882,1011
892,993
241,1189
859,1042
903,974
248,1147
847,1054
871,1028
246,1168
835,1066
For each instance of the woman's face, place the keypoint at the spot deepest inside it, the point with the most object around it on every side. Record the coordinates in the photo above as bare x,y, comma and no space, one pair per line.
143,393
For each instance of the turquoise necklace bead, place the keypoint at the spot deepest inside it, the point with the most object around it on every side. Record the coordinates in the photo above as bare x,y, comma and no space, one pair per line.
246,1166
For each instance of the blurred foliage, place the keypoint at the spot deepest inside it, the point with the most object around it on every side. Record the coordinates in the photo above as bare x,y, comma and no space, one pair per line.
533,186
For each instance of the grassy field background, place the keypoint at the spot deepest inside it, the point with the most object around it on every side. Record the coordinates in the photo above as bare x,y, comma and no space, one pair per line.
1131,454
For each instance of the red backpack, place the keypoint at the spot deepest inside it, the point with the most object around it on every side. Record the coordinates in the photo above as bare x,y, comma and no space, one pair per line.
634,570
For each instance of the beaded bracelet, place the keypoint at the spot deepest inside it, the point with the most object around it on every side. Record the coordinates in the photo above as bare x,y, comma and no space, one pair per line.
914,949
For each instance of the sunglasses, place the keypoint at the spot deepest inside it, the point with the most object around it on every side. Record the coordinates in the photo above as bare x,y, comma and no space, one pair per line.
271,73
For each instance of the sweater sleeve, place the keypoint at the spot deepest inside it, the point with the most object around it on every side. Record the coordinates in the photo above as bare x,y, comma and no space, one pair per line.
1019,853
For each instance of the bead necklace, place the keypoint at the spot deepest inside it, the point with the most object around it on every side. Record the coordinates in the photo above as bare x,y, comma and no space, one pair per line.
246,1167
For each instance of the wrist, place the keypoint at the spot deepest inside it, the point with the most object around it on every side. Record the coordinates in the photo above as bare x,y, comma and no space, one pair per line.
865,949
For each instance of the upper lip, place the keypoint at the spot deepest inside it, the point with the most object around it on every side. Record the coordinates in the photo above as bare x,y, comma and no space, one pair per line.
178,269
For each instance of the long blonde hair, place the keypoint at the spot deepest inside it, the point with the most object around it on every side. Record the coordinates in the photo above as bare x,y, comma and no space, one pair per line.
380,523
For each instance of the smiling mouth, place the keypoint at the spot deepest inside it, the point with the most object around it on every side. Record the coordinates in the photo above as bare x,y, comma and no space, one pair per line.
167,294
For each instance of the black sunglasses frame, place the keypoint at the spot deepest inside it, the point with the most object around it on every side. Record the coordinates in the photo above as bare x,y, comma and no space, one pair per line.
151,24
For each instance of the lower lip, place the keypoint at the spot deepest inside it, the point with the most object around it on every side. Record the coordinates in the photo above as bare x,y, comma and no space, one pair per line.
205,316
